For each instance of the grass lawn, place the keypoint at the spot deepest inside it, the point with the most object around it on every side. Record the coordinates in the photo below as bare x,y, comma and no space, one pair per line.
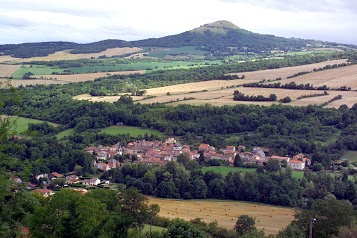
350,155
64,133
132,130
21,124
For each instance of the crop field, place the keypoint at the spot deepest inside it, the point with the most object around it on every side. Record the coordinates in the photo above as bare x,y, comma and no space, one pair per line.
344,76
111,99
7,70
21,82
21,124
133,131
270,219
66,55
75,78
220,92
35,70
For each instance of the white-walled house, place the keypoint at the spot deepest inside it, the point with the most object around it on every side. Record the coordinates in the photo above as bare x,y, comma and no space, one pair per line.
296,164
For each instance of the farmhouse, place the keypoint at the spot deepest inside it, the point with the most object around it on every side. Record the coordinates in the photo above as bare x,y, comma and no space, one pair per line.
296,164
91,182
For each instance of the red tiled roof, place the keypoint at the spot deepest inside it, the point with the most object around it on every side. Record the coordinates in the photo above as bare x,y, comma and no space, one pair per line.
57,175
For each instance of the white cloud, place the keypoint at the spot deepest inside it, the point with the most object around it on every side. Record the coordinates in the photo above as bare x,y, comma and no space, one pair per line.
88,21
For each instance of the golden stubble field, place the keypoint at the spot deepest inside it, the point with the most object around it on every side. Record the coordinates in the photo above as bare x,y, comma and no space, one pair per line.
270,219
65,55
219,92
7,70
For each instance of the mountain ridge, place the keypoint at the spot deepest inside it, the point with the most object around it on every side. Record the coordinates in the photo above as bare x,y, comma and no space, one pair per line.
219,38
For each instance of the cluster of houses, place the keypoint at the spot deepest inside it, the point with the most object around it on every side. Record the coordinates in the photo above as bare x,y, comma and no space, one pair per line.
161,152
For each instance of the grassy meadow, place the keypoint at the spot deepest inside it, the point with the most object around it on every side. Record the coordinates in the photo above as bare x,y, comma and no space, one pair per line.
65,133
133,131
224,170
21,124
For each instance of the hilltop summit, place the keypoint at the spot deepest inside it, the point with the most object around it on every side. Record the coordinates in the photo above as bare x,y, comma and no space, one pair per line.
217,27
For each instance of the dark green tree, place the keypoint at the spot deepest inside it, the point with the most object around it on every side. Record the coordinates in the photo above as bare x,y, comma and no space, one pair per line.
245,224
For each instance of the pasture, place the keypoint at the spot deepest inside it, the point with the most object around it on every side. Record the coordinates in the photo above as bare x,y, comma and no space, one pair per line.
20,125
270,219
224,170
132,130
65,133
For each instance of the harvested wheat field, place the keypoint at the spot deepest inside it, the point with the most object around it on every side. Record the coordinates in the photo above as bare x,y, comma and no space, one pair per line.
270,219
66,55
250,77
17,83
333,78
75,78
111,99
7,70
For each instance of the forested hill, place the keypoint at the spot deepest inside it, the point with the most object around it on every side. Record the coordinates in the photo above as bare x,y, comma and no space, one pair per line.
218,38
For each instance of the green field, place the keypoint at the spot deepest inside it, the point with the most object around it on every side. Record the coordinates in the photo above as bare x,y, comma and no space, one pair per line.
35,69
224,170
184,51
133,131
64,133
110,66
308,52
21,124
350,155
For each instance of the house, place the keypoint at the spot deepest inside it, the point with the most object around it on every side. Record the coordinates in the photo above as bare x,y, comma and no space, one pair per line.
170,141
44,192
113,164
296,164
103,166
231,149
241,148
55,175
42,176
203,147
71,179
91,182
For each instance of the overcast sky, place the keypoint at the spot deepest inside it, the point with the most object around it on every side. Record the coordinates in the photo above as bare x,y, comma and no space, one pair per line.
93,20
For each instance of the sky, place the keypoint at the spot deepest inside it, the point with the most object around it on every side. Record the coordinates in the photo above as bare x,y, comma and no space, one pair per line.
86,21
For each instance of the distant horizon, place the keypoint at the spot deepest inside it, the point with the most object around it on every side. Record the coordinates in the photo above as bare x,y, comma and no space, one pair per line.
83,21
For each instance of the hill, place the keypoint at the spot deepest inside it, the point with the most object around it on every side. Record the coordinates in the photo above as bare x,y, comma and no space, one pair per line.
219,38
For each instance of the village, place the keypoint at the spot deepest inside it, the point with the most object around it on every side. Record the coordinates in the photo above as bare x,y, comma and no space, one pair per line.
158,152
106,158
